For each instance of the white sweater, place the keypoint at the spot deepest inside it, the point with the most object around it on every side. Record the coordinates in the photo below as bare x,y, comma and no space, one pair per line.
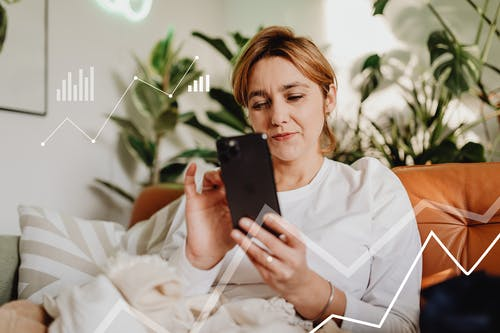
363,235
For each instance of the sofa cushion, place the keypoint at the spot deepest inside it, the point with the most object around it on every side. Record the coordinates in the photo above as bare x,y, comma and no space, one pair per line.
460,203
9,261
57,250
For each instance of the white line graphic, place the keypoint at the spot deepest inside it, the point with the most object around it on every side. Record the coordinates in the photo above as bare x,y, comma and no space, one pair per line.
233,265
134,80
120,306
455,261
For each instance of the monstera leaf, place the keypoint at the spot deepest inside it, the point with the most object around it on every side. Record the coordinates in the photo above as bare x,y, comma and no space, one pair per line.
456,62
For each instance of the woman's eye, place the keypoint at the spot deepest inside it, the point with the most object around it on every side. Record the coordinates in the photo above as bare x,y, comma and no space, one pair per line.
294,97
259,106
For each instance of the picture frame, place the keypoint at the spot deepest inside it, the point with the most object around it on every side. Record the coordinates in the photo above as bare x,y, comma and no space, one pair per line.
24,58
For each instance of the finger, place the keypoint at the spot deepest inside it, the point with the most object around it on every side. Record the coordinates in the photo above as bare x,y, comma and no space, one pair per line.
274,244
189,181
263,271
257,254
212,184
212,179
291,234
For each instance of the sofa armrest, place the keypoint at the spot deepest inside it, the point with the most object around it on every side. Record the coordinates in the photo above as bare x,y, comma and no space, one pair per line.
9,264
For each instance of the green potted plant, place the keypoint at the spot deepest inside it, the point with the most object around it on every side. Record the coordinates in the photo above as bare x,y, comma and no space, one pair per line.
456,68
155,112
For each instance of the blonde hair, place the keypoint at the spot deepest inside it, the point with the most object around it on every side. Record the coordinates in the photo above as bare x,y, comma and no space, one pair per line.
281,42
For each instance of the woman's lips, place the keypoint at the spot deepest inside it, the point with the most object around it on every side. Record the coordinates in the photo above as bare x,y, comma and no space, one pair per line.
284,136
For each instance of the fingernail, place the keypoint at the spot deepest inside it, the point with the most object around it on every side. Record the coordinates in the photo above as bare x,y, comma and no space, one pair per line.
245,222
236,234
269,217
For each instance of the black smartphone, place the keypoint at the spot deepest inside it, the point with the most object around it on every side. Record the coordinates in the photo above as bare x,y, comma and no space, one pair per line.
247,173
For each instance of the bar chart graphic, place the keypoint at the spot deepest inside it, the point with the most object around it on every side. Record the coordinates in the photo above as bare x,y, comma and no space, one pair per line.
79,90
200,85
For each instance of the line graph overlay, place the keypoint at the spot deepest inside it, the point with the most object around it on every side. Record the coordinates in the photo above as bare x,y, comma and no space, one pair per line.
134,80
419,255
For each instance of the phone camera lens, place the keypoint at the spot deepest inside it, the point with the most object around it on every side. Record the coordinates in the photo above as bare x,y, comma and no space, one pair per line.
234,148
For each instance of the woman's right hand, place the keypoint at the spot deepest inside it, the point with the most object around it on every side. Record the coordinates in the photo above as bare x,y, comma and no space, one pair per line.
208,220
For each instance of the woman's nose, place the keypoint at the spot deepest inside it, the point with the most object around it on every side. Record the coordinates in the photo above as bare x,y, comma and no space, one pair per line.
279,114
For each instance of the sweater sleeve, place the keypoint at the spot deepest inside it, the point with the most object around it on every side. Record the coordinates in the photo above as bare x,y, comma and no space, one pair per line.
197,281
394,249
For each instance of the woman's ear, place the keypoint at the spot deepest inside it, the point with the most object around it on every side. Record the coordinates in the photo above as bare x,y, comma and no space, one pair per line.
331,99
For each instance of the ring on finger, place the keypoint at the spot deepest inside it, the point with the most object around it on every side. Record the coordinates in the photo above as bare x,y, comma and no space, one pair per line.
269,259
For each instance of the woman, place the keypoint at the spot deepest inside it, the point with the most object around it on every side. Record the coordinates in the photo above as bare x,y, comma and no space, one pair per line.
343,213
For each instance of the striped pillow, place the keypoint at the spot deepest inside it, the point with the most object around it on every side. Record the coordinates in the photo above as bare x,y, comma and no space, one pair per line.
57,250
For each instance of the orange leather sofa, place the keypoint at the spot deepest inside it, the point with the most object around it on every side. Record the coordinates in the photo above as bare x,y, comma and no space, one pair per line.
460,203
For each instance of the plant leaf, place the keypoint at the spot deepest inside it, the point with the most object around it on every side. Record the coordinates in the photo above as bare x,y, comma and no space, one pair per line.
226,118
445,152
226,99
379,6
116,189
190,119
127,125
161,53
453,61
166,121
147,100
216,43
171,172
209,155
177,71
144,149
373,75
239,39
471,152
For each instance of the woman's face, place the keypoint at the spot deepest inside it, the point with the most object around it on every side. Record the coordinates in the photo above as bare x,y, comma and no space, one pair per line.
288,107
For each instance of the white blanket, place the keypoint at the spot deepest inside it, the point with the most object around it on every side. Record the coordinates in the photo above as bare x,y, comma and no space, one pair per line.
144,294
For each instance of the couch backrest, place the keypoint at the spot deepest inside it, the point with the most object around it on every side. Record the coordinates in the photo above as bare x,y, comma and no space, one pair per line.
152,199
461,204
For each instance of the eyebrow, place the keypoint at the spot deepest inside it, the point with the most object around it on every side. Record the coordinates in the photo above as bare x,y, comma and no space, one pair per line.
262,93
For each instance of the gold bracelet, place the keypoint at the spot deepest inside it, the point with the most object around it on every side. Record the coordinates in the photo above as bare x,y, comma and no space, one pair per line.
330,300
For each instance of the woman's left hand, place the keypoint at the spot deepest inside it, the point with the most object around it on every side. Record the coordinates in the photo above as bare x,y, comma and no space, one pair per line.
283,264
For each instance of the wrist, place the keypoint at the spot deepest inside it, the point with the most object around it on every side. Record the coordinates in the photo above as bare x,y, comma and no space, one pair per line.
303,293
310,300
202,262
